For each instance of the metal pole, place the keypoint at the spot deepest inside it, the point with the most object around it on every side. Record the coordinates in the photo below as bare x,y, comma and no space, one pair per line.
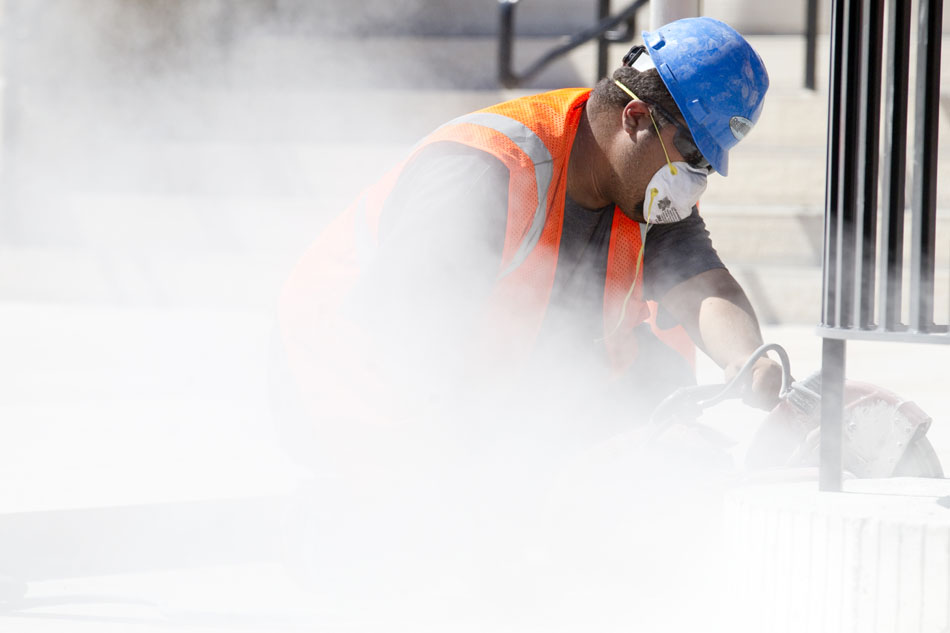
924,204
832,412
895,152
603,44
839,225
666,11
830,291
811,42
869,102
506,28
848,174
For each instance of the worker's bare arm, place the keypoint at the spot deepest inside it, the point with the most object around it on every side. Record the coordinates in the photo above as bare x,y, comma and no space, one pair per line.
719,318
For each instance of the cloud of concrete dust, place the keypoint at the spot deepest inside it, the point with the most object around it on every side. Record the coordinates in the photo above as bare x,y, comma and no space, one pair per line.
518,492
172,161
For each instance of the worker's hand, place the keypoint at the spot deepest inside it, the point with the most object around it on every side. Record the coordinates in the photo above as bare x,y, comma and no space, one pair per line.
760,386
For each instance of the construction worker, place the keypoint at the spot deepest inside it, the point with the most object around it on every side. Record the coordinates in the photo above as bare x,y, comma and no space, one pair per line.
531,277
558,224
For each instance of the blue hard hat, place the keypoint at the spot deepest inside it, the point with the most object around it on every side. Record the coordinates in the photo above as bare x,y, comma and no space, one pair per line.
715,78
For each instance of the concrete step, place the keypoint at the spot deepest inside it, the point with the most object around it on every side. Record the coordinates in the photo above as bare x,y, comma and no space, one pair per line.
144,223
238,281
780,235
285,114
237,250
280,145
793,294
873,560
332,173
780,293
764,234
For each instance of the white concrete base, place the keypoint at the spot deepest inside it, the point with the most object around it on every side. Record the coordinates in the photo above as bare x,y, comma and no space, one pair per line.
876,558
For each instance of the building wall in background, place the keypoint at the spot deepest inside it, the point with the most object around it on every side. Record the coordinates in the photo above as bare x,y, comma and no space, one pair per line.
534,17
416,17
177,19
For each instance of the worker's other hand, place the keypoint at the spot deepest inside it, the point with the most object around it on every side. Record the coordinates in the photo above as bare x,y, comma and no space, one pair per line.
761,385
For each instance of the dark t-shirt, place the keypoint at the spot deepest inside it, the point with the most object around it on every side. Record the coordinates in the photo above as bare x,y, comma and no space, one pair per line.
441,237
444,226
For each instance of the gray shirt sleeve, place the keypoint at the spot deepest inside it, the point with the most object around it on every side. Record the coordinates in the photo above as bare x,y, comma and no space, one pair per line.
440,241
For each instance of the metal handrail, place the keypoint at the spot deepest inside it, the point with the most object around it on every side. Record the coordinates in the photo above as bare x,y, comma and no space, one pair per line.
604,31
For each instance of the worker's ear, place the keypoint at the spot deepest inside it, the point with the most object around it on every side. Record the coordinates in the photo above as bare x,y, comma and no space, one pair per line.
635,114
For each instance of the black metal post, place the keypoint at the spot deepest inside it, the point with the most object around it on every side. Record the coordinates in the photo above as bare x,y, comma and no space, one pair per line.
506,29
603,43
835,243
869,120
811,42
895,149
924,203
848,166
832,412
832,185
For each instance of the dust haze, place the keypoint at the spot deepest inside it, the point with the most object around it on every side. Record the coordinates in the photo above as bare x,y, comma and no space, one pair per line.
165,165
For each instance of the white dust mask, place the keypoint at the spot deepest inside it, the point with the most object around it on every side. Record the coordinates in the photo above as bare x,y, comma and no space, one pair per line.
672,193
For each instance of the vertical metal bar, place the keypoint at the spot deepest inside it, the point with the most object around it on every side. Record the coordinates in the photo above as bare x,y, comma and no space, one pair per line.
868,147
811,42
924,201
895,153
10,40
666,11
506,28
603,10
832,184
832,413
852,105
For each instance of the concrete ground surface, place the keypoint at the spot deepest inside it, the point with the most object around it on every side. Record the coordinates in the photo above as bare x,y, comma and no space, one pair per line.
144,246
110,408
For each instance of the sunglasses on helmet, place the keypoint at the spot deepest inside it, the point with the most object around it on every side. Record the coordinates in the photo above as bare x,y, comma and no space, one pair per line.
683,140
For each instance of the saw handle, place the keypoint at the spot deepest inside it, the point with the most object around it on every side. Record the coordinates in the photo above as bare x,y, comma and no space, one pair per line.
690,401
726,391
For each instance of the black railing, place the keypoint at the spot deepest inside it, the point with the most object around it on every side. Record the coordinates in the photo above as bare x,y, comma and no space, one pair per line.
605,32
862,252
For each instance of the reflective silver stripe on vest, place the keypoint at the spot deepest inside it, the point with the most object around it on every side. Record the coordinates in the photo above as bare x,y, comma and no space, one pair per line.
532,145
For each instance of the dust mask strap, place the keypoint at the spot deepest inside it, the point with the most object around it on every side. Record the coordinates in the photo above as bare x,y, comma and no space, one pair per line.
672,192
655,126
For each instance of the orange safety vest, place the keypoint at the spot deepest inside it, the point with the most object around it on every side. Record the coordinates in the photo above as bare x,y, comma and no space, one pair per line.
533,137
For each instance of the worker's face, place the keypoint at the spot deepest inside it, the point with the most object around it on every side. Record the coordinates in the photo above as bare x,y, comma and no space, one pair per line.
642,153
638,155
